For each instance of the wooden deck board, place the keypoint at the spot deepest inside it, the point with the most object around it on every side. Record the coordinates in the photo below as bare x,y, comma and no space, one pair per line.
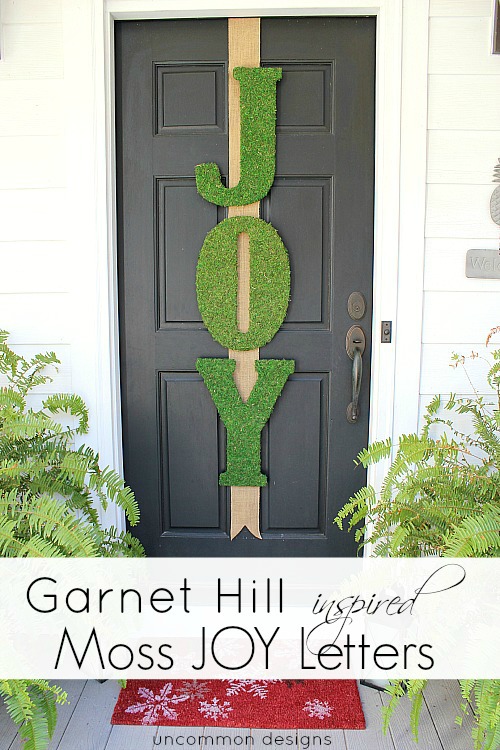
428,738
84,724
371,738
239,738
260,743
132,738
174,737
89,727
443,700
74,689
7,729
298,739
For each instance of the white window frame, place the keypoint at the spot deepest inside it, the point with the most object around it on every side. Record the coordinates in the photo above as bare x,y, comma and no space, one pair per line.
400,153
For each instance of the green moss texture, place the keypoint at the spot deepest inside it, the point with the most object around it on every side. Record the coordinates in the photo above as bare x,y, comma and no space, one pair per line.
244,421
217,282
257,142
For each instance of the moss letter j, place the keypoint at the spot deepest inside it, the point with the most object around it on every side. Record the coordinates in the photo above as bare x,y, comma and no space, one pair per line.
257,142
244,421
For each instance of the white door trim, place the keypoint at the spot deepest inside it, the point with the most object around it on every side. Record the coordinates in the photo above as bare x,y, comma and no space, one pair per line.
401,108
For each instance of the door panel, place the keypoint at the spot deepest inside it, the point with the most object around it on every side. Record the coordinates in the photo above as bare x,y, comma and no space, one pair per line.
179,240
302,208
188,436
172,115
296,495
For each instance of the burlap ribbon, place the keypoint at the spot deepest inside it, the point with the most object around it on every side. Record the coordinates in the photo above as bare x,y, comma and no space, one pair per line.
244,51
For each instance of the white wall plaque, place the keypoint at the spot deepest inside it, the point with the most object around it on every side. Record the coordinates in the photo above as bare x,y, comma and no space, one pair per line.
483,264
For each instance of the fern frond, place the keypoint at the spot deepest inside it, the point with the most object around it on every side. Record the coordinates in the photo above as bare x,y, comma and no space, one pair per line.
69,403
11,399
49,493
434,405
17,700
440,496
476,536
375,452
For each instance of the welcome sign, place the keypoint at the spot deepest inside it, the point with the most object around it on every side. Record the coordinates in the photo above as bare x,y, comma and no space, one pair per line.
269,282
483,264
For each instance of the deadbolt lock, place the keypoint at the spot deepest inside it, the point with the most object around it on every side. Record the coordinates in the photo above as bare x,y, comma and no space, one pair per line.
356,305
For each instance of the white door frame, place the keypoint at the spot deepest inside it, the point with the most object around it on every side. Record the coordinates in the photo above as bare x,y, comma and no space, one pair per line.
400,153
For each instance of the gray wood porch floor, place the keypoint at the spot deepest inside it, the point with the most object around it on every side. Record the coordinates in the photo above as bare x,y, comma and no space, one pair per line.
84,724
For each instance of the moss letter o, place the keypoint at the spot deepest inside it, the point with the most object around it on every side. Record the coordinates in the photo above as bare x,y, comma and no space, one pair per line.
217,282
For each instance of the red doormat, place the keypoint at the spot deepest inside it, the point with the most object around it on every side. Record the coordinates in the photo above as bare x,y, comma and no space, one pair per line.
259,704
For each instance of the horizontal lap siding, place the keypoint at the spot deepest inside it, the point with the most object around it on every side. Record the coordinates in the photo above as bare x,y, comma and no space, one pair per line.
463,147
460,8
31,162
31,11
32,51
36,279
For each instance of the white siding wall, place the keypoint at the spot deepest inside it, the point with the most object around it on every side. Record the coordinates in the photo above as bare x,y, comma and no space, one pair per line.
35,282
463,148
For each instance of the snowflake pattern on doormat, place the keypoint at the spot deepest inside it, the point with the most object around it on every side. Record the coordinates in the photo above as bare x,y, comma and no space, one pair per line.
214,709
257,688
264,704
194,689
321,709
156,706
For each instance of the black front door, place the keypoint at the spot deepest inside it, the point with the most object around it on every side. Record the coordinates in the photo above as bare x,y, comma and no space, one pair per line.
171,115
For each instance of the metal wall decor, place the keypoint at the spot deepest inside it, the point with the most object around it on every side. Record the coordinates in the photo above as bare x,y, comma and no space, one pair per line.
485,264
496,28
495,198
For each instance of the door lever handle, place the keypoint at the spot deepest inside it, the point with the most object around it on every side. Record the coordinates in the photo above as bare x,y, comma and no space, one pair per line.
357,375
355,346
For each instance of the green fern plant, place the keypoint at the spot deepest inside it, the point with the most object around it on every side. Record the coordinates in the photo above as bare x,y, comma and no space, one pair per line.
49,492
32,704
440,496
